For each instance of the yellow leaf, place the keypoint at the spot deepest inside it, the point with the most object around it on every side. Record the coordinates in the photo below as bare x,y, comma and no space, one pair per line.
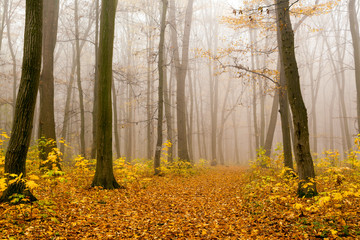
31,184
34,177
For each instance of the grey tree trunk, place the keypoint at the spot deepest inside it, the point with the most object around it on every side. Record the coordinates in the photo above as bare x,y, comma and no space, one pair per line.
15,158
78,75
272,125
354,29
181,70
116,130
254,96
67,103
168,114
104,175
307,188
13,56
3,20
162,69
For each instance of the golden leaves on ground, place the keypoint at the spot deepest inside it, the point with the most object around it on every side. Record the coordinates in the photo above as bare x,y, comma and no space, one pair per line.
220,203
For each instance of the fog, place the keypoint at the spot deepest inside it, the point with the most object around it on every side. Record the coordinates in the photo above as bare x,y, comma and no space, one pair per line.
231,80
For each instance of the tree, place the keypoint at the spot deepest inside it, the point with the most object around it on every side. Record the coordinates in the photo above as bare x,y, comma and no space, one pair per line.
78,75
354,28
161,70
307,187
104,175
46,87
181,71
15,158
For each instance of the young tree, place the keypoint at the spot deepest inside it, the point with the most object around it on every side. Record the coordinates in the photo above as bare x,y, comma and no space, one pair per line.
303,157
15,158
161,88
104,175
46,87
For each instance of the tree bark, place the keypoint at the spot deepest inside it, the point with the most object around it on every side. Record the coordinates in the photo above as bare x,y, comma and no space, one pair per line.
104,175
161,70
96,81
78,80
307,188
15,158
354,29
272,125
4,17
181,70
116,130
46,129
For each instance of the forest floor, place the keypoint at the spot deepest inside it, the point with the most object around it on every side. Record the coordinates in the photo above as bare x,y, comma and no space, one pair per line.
210,203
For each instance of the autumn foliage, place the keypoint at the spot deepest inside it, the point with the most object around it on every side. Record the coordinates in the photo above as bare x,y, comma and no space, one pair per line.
187,202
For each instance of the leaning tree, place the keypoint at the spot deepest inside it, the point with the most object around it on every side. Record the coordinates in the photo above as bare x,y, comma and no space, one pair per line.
307,187
15,157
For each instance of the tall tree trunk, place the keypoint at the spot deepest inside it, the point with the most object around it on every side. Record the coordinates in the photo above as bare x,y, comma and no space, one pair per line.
254,105
78,80
104,175
15,158
169,128
47,117
354,29
96,81
181,70
162,70
13,57
191,118
236,142
67,116
116,130
272,125
3,20
307,187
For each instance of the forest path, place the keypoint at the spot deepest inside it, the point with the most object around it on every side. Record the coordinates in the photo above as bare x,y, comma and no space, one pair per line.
202,206
217,203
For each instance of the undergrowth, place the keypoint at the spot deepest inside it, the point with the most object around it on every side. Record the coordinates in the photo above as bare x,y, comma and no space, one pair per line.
198,202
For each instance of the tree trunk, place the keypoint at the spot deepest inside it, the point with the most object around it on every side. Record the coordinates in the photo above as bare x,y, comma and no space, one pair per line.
254,106
67,104
116,130
96,81
162,69
272,125
13,56
4,17
46,88
78,74
190,119
354,28
169,128
181,70
307,188
15,158
104,175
